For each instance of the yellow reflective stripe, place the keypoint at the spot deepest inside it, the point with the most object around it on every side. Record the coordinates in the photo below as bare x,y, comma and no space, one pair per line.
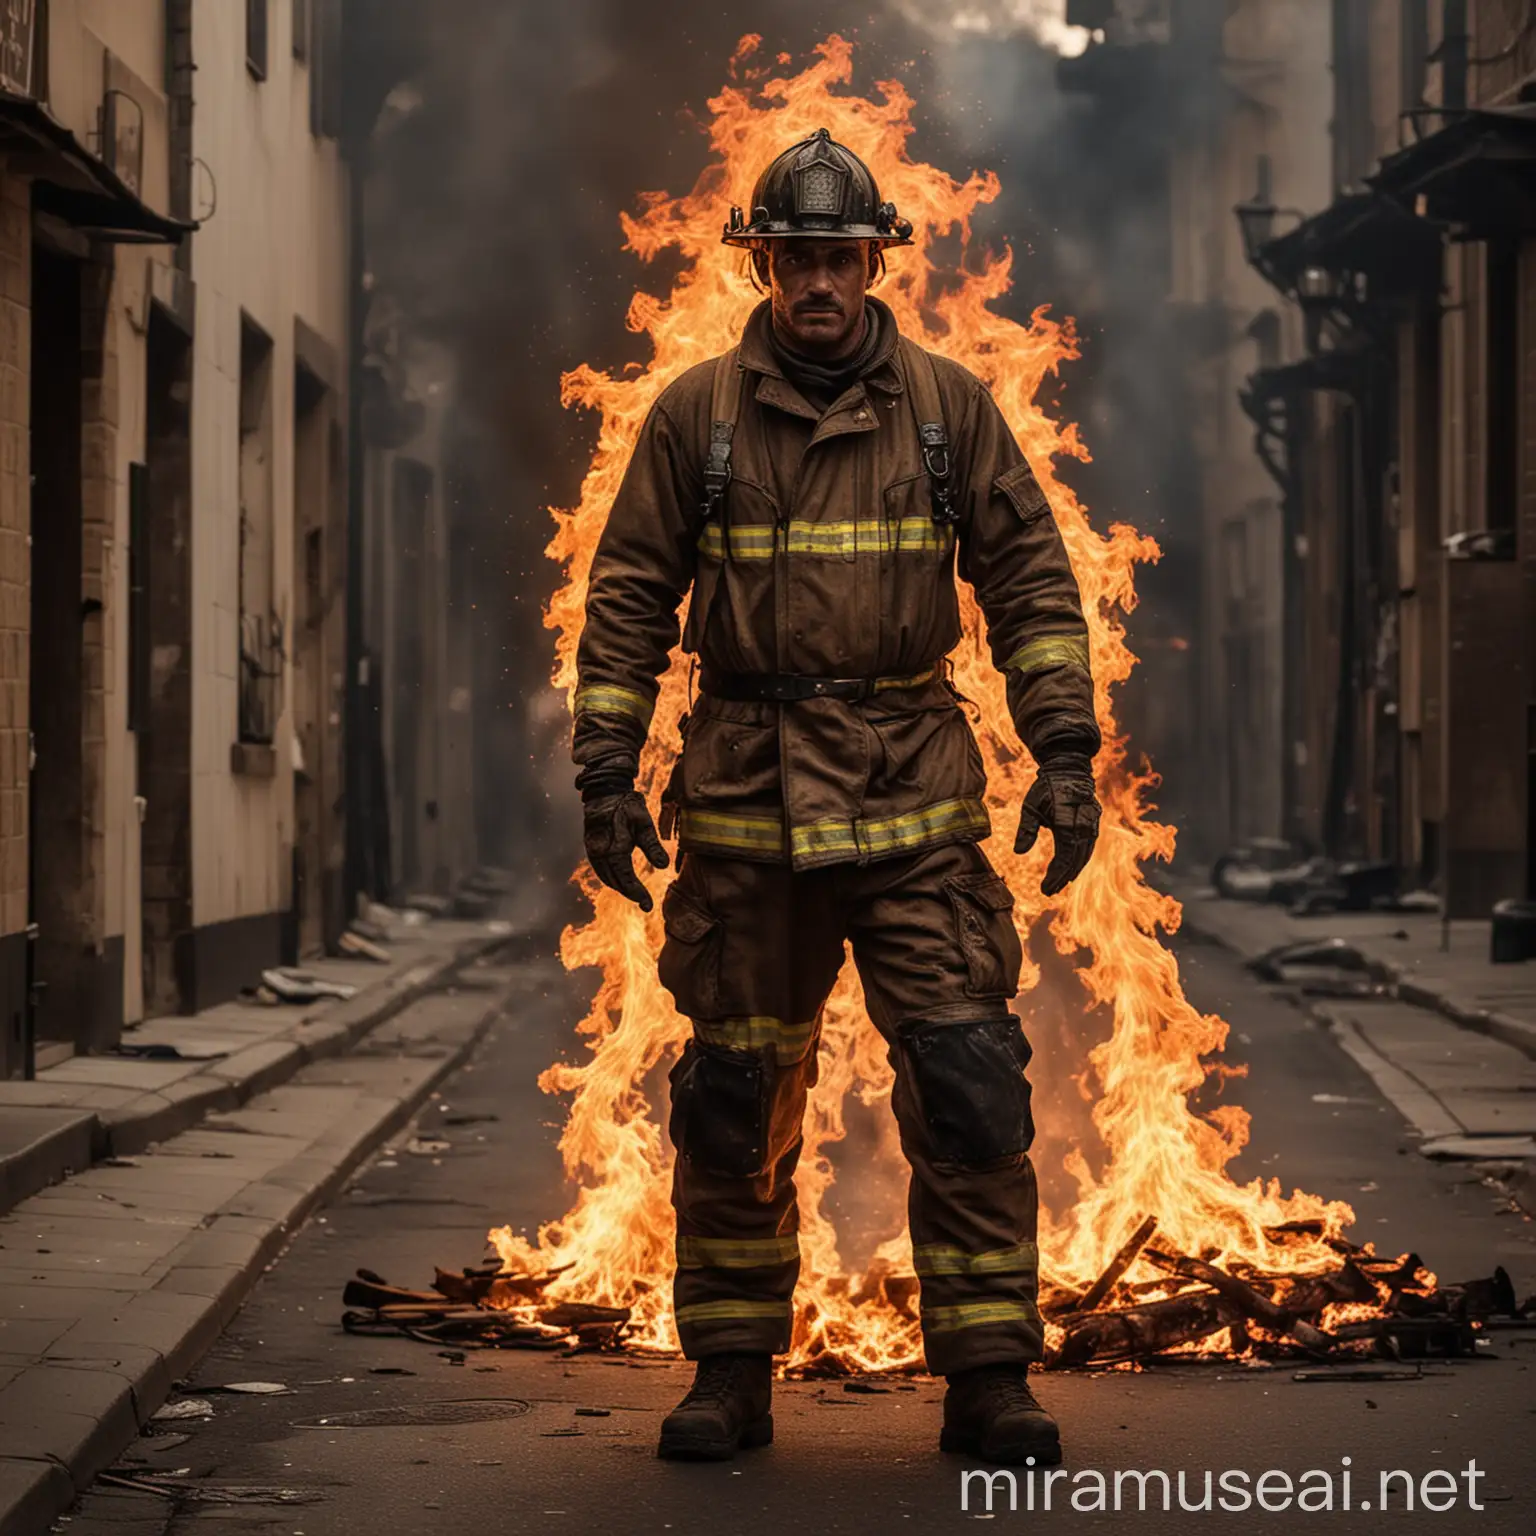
977,1314
823,837
736,1253
749,543
882,684
761,834
608,699
945,1259
719,1311
1050,651
864,536
835,836
888,834
961,815
789,1041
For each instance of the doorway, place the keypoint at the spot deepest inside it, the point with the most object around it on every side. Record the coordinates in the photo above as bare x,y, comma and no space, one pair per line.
315,786
411,660
56,819
160,662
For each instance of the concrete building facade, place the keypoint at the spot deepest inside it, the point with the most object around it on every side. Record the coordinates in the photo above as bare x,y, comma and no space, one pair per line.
1413,455
1365,657
269,380
174,299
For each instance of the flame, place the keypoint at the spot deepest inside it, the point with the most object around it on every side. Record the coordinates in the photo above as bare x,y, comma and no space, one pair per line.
1154,1152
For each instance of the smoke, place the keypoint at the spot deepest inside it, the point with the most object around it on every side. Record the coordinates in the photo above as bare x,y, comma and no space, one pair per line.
1044,21
501,168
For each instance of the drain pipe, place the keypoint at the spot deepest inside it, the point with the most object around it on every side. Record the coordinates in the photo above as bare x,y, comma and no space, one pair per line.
354,734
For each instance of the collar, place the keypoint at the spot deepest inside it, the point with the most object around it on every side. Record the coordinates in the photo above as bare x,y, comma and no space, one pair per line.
883,372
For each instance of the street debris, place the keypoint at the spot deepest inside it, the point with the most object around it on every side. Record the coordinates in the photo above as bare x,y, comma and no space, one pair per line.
471,1410
176,1487
1357,1373
287,985
251,1388
480,1308
1365,1307
161,1050
363,946
1320,968
1268,870
1495,1146
186,1408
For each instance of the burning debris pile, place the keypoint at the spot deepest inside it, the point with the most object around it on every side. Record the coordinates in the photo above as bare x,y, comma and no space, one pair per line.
1361,1306
480,1308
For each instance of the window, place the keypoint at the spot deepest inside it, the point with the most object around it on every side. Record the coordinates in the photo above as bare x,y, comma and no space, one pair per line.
1414,58
1455,45
139,642
325,69
301,30
261,636
1501,460
256,37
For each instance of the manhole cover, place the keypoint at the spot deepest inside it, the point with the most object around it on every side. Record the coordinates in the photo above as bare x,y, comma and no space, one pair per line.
469,1411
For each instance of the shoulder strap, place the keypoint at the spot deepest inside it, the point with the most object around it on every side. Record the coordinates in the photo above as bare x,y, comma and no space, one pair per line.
932,434
724,408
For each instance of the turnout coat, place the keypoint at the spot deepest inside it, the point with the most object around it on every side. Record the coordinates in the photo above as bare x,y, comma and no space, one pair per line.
825,559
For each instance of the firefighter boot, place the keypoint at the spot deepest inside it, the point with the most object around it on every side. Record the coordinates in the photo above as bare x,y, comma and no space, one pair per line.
726,1410
990,1413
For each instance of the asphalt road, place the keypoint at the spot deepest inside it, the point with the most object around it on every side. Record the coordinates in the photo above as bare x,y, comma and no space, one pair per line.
842,1462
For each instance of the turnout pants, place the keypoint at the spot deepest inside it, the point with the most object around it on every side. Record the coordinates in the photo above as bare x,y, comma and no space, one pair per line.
751,953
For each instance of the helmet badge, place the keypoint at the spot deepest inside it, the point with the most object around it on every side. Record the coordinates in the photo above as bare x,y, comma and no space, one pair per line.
820,181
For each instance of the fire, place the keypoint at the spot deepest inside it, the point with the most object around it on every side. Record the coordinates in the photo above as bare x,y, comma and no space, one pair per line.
1156,1154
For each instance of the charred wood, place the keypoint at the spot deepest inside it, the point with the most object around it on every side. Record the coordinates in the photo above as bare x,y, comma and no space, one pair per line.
1134,1332
1093,1298
1242,1296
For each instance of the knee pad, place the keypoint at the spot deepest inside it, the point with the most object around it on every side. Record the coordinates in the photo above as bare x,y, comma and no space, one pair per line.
722,1103
968,1088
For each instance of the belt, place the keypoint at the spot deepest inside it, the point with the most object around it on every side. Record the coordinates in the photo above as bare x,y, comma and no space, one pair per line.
792,688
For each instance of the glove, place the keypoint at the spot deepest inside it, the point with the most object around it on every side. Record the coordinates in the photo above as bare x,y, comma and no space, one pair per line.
1063,799
616,821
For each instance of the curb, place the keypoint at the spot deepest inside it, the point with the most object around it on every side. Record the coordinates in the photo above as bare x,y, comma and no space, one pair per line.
181,1318
1498,1026
63,1141
232,1083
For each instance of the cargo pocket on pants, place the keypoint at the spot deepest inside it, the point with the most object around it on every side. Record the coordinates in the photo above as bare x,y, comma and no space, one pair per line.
721,1103
690,959
967,1082
989,943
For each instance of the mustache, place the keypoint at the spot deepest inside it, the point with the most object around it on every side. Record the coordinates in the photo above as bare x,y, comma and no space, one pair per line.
818,307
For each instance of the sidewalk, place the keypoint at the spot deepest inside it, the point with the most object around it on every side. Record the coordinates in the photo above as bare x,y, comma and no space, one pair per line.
93,1107
1403,950
114,1283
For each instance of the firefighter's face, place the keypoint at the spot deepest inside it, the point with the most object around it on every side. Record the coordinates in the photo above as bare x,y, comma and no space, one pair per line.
818,292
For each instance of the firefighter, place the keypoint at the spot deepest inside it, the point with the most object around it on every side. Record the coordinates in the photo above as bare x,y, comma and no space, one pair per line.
815,489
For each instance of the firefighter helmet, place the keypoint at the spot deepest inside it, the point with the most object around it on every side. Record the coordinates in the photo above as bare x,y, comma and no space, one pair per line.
818,189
